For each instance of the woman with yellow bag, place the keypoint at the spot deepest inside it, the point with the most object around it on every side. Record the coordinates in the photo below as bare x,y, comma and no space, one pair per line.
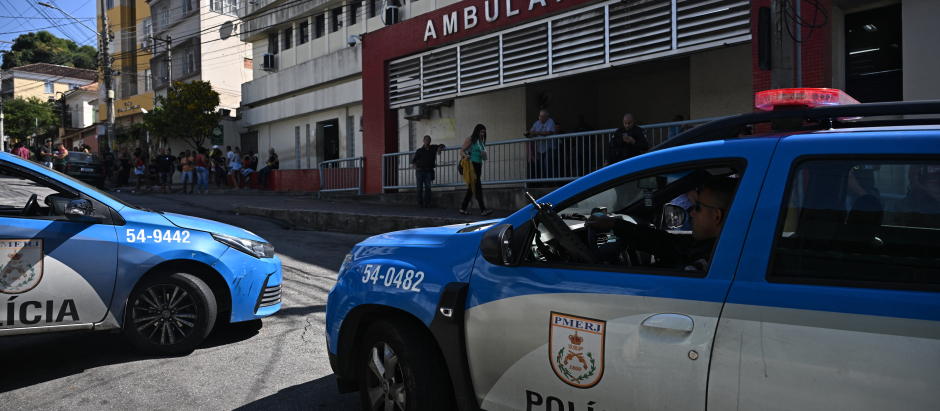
473,152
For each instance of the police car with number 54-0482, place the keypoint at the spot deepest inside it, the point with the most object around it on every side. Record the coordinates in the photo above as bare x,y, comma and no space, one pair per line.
792,269
76,258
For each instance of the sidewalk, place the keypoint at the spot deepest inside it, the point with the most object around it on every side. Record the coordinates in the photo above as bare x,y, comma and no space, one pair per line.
354,217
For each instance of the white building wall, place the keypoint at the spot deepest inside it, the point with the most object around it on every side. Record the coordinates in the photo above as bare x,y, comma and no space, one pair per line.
281,135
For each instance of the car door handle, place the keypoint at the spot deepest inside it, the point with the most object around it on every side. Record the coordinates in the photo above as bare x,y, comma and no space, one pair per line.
675,322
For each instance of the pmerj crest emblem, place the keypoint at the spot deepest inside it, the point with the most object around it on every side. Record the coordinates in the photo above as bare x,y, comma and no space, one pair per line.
576,349
20,265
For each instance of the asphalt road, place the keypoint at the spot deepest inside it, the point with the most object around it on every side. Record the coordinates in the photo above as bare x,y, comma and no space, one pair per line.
279,363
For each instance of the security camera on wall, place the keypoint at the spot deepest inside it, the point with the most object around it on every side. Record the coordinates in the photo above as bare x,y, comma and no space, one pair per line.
352,40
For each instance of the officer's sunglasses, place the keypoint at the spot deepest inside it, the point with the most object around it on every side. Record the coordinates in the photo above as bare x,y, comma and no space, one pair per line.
698,207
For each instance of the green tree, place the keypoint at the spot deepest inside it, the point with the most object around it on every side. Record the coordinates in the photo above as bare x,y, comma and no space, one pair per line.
45,47
21,117
187,112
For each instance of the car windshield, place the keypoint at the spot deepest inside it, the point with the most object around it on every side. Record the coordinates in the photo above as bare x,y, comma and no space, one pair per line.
86,187
622,196
83,157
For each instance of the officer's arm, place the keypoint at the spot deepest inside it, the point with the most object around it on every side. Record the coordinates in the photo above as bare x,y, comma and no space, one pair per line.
640,142
663,245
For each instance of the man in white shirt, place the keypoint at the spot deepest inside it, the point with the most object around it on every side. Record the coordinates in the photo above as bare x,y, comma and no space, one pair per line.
544,150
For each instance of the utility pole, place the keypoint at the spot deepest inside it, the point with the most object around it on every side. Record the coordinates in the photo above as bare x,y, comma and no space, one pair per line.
106,62
781,74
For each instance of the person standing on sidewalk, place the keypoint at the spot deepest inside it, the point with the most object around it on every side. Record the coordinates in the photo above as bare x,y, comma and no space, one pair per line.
45,154
186,162
60,158
473,152
139,169
202,171
627,142
235,168
164,170
424,163
273,164
125,168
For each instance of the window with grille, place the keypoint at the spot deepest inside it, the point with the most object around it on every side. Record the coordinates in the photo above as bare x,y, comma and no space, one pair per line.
336,19
49,87
354,9
304,33
148,81
288,35
223,6
163,17
320,26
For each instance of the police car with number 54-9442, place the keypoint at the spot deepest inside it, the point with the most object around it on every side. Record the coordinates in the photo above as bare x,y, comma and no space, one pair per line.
793,269
76,258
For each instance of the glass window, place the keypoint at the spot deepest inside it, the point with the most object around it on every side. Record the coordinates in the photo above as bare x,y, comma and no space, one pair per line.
336,19
354,9
163,16
304,32
662,221
272,43
147,27
109,4
863,223
320,23
287,37
49,87
187,6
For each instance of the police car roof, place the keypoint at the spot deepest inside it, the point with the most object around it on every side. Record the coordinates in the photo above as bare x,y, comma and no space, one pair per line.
828,118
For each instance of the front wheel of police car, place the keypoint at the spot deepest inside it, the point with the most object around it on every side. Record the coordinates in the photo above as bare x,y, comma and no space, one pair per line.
169,315
401,370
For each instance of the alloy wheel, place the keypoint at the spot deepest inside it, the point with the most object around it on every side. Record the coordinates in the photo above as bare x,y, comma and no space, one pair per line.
385,384
164,314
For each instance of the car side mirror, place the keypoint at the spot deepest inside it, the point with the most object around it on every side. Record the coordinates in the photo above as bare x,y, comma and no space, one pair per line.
496,245
673,216
81,211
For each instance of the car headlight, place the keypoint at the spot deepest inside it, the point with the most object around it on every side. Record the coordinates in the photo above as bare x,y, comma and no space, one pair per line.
342,268
253,248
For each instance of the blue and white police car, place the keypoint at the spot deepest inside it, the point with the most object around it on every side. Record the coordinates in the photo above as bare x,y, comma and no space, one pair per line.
810,279
76,258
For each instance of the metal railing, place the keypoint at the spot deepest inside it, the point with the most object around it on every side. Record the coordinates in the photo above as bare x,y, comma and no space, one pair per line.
557,158
340,175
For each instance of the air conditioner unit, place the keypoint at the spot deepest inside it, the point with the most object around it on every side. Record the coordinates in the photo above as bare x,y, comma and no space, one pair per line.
144,45
417,112
269,63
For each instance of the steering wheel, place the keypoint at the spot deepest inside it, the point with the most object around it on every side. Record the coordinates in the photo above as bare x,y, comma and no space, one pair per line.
32,206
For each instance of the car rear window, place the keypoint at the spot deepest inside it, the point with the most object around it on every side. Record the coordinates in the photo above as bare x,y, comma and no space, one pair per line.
861,223
88,158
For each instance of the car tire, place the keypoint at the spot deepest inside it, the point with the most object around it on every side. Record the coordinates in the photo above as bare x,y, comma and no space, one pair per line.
169,315
417,379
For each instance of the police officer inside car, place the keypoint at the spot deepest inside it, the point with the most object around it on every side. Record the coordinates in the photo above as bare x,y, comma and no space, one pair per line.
677,251
628,141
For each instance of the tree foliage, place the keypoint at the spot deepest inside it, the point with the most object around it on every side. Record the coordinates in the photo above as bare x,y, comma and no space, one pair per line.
45,47
21,116
187,112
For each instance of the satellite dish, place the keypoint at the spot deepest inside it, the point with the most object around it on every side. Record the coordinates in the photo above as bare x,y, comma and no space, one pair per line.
227,29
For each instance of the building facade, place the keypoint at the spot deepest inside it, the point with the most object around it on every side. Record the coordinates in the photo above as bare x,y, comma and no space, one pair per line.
336,79
159,41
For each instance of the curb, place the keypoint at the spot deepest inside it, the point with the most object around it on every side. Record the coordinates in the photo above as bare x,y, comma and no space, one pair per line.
346,222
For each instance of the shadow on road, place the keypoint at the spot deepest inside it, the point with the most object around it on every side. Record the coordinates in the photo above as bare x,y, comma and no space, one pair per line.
319,394
48,357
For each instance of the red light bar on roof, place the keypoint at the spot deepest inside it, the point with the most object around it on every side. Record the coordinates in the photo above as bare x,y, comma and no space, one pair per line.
809,97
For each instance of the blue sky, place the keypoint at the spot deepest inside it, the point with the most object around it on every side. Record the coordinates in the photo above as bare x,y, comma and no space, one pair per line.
23,16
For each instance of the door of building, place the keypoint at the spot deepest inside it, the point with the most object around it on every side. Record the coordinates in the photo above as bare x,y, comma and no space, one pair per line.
329,144
249,141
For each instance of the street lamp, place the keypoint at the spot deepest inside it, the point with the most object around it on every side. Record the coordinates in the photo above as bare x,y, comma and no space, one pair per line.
73,18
